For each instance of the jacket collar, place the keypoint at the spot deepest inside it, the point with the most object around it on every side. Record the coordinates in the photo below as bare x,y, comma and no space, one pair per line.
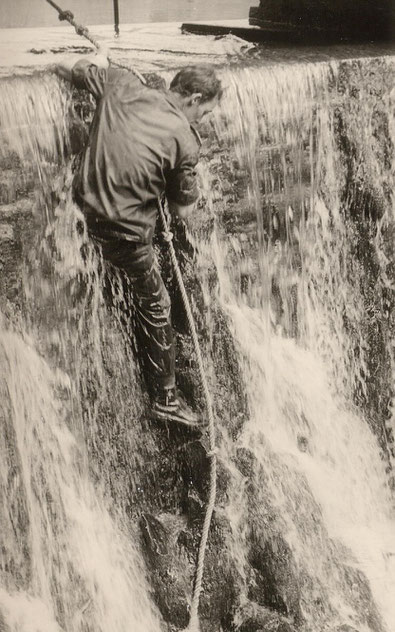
173,100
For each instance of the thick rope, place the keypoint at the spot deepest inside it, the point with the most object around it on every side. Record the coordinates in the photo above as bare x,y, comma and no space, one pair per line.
84,32
194,617
212,454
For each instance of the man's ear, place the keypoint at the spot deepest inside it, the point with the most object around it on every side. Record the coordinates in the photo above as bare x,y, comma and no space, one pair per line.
195,98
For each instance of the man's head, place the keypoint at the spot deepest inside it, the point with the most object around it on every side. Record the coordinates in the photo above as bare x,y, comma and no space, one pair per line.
198,90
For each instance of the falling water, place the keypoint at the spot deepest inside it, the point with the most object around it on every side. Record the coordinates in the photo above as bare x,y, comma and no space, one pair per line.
280,237
70,562
69,554
303,347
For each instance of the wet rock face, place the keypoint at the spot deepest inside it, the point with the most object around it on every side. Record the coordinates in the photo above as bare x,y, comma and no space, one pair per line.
361,595
170,545
170,568
15,226
277,584
258,619
17,184
365,204
275,581
168,487
222,578
16,563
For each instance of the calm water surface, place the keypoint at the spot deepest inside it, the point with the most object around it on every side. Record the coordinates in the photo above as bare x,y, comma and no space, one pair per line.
21,13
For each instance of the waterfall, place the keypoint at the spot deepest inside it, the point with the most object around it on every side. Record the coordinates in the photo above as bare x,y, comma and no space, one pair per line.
305,431
303,348
291,285
58,539
69,556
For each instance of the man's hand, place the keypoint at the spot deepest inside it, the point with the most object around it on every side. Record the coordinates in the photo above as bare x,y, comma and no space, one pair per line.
65,66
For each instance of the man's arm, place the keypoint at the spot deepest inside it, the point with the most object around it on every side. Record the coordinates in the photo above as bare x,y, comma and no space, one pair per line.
182,189
64,68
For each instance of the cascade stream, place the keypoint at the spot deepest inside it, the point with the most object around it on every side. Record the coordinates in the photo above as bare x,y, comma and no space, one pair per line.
288,262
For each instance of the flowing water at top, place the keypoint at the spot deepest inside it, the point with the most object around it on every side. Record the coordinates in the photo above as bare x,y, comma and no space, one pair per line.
279,239
303,347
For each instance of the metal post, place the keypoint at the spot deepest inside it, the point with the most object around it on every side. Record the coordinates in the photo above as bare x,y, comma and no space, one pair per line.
116,18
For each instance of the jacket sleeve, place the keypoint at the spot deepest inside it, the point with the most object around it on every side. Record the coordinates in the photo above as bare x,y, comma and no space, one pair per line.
88,76
181,182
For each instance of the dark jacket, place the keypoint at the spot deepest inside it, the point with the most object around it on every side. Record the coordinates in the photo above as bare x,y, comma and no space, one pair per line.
140,146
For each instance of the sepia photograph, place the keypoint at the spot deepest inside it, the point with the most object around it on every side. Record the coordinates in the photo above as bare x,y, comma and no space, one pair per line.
197,327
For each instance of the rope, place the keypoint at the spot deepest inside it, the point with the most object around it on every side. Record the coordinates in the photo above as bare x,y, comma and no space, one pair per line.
212,453
194,618
84,32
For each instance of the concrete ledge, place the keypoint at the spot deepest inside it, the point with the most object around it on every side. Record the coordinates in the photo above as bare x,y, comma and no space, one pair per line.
260,30
248,32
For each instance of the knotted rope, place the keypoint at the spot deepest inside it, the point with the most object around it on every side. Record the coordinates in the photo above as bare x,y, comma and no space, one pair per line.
194,618
84,32
212,453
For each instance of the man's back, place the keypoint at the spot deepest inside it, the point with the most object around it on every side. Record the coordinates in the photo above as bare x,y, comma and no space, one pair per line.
140,145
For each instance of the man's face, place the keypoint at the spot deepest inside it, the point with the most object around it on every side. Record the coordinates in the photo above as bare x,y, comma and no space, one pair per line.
194,110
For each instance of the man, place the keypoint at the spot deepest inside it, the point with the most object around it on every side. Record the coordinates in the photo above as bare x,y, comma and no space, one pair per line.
141,145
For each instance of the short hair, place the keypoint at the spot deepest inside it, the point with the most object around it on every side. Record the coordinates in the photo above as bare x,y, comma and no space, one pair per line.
193,79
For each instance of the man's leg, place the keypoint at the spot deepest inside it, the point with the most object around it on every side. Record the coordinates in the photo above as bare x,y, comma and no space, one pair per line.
154,333
156,340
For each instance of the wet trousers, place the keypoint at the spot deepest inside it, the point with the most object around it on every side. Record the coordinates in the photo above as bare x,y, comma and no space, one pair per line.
151,304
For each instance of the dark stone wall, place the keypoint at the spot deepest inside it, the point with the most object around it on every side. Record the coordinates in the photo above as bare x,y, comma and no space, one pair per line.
357,19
